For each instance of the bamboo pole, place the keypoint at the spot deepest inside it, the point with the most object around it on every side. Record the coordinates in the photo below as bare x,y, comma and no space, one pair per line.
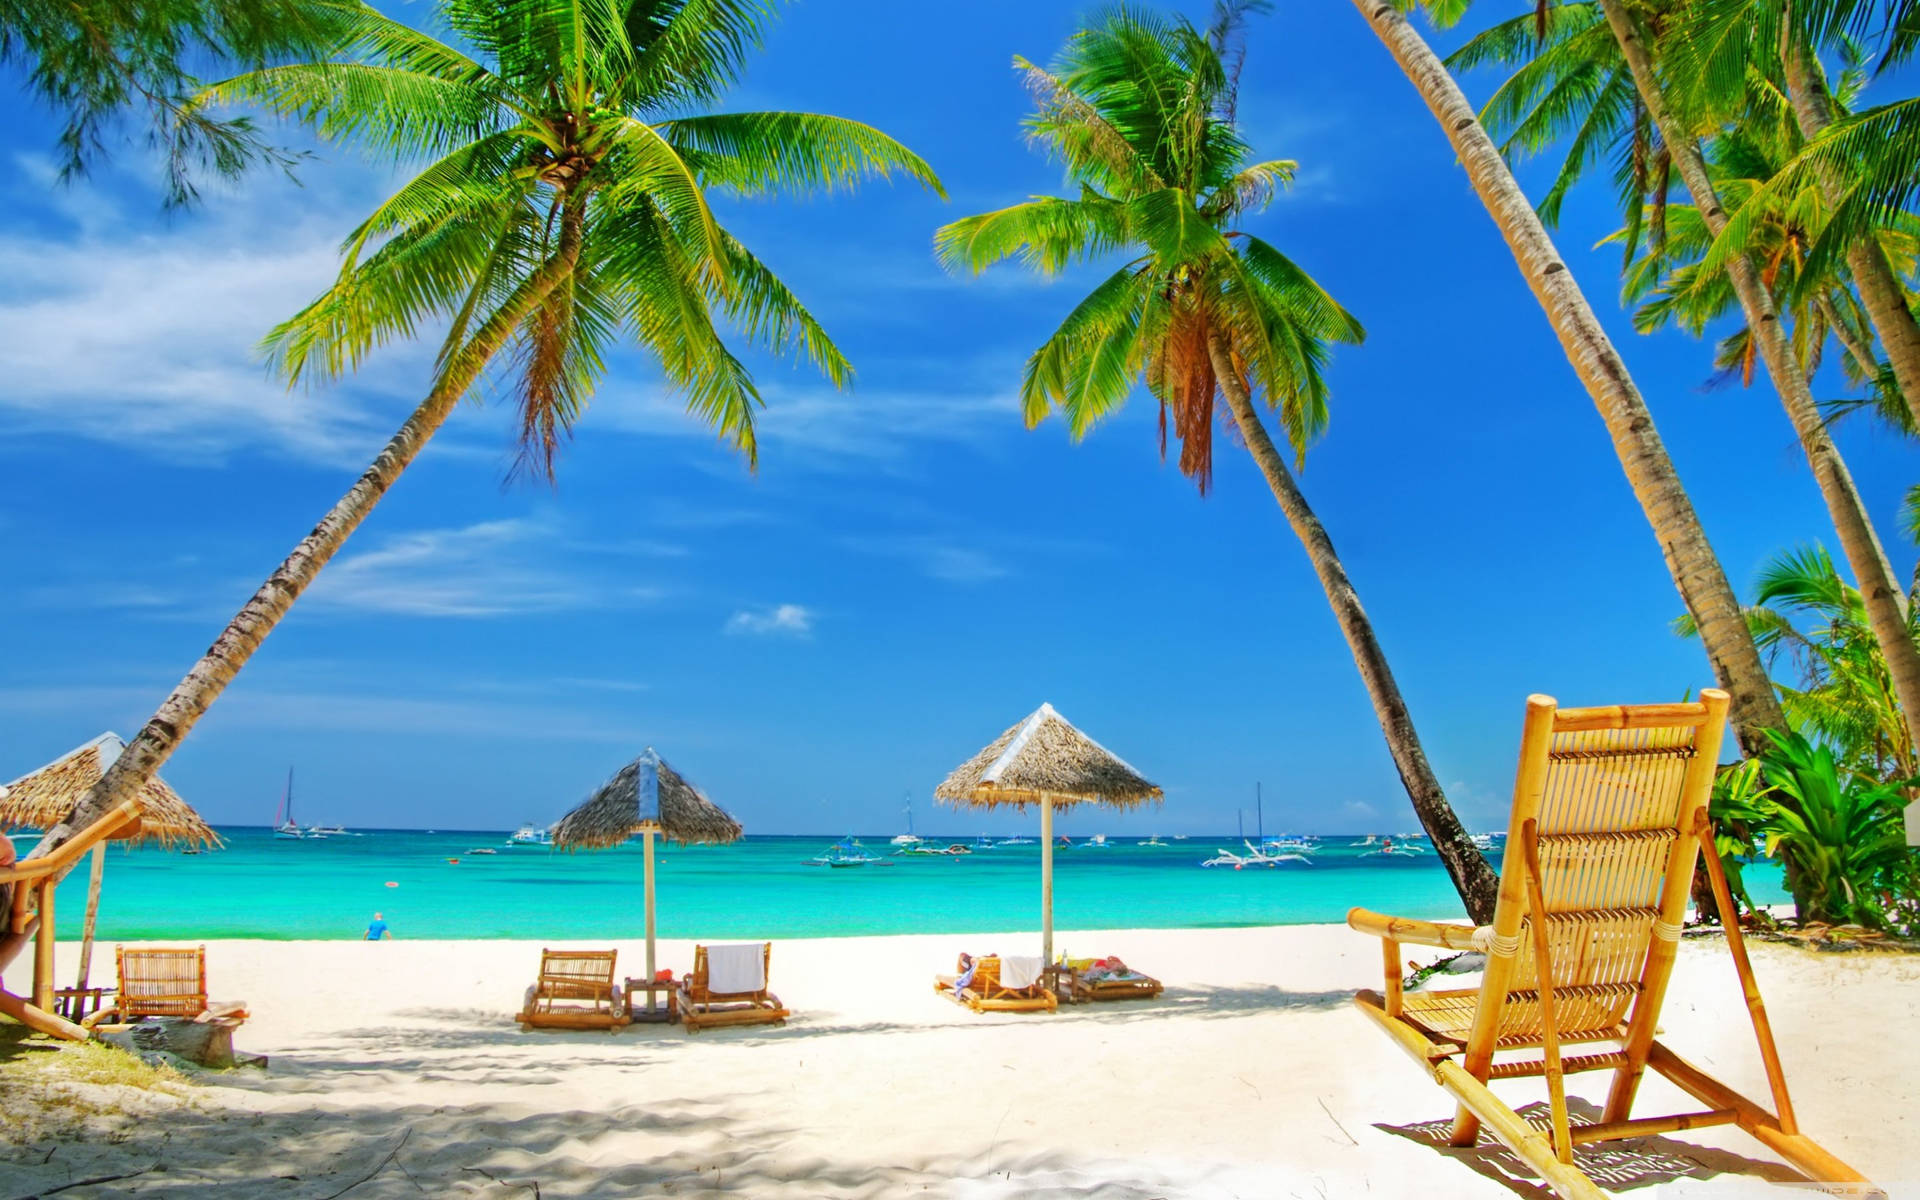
1390,956
43,950
36,1018
1543,972
93,911
1529,787
1046,881
647,838
1749,987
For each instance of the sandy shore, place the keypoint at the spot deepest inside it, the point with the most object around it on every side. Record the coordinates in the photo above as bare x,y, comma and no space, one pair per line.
1252,1077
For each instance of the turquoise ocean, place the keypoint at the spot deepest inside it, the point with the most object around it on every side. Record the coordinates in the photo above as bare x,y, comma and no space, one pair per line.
262,887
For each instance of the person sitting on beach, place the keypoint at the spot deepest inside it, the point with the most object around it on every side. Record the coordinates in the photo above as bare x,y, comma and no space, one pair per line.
378,929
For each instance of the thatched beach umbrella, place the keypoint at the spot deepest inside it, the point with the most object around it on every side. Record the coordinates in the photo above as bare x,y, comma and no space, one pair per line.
1044,760
42,799
646,797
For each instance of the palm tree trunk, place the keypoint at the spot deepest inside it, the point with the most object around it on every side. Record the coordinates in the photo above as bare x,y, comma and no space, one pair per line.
1478,885
1683,542
1858,350
1880,592
157,740
1880,291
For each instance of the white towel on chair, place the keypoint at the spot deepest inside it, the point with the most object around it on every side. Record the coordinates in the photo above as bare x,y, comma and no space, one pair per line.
737,968
1019,971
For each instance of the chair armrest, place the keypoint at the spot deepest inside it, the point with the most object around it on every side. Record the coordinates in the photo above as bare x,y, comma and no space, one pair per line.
1419,933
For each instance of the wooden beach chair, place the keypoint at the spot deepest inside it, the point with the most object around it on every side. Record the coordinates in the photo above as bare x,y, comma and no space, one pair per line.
1084,982
1609,813
162,981
573,991
985,993
701,1006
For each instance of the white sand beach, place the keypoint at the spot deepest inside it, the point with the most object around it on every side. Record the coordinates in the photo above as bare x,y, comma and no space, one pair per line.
397,1063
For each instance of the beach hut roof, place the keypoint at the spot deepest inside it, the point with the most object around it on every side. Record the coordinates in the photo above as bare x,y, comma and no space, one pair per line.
44,797
646,793
1045,756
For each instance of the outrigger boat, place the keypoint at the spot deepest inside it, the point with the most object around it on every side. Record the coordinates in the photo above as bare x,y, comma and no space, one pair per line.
847,852
1254,857
1153,841
1391,849
1014,841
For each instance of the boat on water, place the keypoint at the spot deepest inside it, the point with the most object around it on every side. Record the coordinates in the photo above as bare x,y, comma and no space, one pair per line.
1014,841
1254,857
907,838
529,835
983,842
328,831
1097,842
1153,841
1394,848
1288,843
847,852
483,851
284,826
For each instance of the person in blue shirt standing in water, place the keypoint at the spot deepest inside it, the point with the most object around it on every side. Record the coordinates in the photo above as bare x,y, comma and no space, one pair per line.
378,929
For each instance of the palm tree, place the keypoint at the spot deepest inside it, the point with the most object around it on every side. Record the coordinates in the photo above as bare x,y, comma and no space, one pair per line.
1140,108
563,208
1676,525
1721,45
1812,627
1885,598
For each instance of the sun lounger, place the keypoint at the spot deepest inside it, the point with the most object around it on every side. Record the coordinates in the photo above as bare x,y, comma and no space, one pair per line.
983,990
724,988
574,991
1107,979
1609,813
162,981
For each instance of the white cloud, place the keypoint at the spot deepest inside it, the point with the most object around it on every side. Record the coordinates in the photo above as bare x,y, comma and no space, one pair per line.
116,328
937,559
789,620
868,423
489,569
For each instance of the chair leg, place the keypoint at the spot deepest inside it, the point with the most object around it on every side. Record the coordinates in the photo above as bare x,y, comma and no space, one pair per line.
1466,1128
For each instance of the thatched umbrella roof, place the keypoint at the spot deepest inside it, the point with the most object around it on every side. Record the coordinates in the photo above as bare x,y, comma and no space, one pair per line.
646,793
1045,757
43,798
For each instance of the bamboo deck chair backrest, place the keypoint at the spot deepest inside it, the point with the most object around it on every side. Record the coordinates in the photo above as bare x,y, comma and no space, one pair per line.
1597,872
576,975
161,982
986,980
699,992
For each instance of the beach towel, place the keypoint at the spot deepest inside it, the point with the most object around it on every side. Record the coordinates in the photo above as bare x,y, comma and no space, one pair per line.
737,968
964,979
1021,971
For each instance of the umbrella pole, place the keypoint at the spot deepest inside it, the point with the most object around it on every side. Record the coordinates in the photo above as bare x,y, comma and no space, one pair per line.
93,911
647,836
1046,880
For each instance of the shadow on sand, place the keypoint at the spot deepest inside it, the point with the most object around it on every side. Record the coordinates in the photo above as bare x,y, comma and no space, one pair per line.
1616,1166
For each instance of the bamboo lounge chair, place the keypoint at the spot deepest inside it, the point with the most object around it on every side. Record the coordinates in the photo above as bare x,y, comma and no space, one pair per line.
1609,812
702,1005
574,991
1087,980
985,993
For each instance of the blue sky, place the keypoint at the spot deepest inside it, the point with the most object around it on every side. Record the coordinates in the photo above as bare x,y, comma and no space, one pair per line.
910,571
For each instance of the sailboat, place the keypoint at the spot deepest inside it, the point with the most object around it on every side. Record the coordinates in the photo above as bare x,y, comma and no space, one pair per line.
284,826
907,838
